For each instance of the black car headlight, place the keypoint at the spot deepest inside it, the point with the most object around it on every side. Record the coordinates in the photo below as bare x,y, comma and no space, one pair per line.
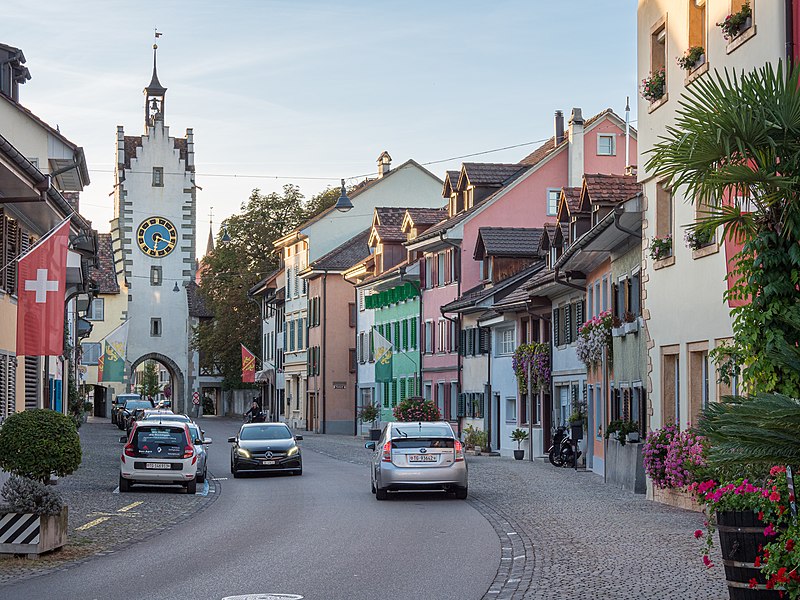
293,450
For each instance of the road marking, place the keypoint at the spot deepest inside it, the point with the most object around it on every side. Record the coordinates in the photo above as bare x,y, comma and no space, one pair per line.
92,523
265,597
130,506
220,478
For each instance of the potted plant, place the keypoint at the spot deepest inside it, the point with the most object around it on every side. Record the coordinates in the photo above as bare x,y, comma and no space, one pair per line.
692,58
655,86
697,238
416,408
519,436
576,422
22,440
617,329
369,413
630,324
661,247
735,23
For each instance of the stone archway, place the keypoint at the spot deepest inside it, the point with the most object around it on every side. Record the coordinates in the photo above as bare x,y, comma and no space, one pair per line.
175,373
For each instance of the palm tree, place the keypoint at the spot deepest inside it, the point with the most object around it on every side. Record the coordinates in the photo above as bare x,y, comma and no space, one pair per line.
735,149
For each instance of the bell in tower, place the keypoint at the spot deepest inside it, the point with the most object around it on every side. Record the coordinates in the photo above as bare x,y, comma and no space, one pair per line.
154,97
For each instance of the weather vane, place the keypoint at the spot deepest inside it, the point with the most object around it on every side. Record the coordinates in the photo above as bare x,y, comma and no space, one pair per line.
156,34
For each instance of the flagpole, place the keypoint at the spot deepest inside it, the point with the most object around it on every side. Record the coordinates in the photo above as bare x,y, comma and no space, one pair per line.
41,240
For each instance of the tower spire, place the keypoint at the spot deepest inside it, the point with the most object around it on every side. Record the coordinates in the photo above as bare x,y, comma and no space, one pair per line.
154,92
210,243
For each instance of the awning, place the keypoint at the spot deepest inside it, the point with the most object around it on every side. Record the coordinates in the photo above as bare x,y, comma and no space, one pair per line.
266,376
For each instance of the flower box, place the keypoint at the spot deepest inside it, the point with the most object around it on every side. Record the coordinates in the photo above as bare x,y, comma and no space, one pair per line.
32,534
631,327
618,331
677,498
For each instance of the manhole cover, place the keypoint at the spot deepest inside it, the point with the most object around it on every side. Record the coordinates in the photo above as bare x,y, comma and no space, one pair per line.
264,597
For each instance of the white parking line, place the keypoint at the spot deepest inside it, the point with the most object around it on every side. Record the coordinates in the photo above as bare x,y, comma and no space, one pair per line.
92,523
130,506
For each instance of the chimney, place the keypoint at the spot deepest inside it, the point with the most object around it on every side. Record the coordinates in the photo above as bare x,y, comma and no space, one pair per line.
384,163
576,148
559,136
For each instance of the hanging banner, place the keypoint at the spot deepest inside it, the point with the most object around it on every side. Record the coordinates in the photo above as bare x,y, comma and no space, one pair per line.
248,366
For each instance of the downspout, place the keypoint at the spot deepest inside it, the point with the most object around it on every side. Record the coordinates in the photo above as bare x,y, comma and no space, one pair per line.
618,212
324,346
789,4
489,390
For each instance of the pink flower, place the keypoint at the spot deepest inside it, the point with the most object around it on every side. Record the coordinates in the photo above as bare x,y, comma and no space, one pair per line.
769,531
698,533
707,561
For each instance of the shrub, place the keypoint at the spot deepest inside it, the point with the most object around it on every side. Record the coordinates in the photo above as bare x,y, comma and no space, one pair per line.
369,413
27,496
37,443
416,409
208,406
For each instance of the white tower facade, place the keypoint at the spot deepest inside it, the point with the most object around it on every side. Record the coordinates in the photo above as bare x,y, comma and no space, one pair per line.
155,231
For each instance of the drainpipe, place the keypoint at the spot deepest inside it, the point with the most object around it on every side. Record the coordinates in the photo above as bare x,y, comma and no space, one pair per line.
488,398
789,4
324,345
618,212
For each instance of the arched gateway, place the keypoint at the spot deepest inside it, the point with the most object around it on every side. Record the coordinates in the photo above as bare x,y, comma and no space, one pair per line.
175,374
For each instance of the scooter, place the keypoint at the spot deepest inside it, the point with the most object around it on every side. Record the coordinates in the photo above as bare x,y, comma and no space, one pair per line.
561,452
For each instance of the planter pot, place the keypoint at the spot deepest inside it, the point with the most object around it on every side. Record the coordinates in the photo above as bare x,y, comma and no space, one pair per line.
740,535
617,331
631,327
576,430
519,454
374,434
477,450
633,437
676,498
32,534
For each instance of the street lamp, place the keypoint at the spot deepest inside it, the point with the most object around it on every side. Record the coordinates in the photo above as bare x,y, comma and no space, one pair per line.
343,204
225,236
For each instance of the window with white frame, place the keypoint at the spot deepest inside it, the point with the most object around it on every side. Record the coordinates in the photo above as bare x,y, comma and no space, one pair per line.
553,195
606,144
511,410
90,352
442,341
429,337
505,341
96,310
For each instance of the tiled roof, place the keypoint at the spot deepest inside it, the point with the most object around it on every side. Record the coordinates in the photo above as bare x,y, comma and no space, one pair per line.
198,306
509,241
452,178
482,291
388,273
131,143
346,255
427,216
105,275
610,189
181,145
573,197
389,221
494,174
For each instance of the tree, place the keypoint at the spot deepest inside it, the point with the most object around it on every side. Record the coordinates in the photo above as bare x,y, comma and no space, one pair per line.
735,150
149,386
233,268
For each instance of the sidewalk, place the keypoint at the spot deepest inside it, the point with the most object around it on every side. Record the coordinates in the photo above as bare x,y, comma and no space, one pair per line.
101,521
587,539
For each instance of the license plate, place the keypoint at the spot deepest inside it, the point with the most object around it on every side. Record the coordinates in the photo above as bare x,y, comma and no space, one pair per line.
158,466
422,458
267,462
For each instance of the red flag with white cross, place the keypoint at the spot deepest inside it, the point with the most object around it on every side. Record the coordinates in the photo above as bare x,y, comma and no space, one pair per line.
41,290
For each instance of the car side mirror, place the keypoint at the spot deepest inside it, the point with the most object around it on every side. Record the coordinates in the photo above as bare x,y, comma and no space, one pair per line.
202,432
298,438
122,439
207,441
198,441
231,440
370,445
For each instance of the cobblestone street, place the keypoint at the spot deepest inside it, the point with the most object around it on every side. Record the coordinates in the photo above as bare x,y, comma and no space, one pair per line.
101,521
582,538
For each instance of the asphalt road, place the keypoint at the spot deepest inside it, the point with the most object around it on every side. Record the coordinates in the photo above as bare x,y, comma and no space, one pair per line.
321,536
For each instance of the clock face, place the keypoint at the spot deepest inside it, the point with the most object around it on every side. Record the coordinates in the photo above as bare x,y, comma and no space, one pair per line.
156,236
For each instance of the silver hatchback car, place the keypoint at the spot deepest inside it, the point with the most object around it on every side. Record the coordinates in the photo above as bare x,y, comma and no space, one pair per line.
418,456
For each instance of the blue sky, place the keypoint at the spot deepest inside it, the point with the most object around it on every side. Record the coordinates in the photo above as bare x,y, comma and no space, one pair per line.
305,89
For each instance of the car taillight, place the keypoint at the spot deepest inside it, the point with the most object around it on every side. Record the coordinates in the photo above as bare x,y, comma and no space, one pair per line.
129,450
459,451
188,451
387,452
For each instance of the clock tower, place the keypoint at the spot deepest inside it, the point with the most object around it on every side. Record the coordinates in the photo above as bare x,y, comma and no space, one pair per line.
154,231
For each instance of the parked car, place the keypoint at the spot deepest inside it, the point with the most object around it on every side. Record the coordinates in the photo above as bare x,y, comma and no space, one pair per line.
142,413
167,415
418,456
265,447
158,453
118,403
198,435
130,405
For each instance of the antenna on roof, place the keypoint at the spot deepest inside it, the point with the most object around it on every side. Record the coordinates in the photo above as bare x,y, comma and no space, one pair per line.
627,132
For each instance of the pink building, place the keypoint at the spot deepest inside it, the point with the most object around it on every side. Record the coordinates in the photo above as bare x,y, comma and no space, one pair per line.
524,194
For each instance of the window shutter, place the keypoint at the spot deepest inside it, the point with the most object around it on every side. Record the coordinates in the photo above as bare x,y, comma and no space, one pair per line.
580,309
397,341
414,333
456,264
405,334
462,402
12,249
422,267
462,342
556,336
371,345
484,338
568,324
402,389
614,304
469,349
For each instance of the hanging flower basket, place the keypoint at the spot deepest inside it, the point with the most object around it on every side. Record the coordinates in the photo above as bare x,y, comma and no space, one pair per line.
594,337
531,363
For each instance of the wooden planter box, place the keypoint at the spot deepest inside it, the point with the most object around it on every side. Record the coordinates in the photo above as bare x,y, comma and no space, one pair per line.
676,498
741,535
32,534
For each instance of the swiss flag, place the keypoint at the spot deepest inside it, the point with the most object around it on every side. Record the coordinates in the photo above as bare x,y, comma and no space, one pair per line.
41,289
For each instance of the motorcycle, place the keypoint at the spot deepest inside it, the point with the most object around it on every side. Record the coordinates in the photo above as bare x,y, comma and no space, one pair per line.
561,453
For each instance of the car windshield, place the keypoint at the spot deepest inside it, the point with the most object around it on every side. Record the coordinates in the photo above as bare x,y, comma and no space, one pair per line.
167,417
195,431
160,442
134,404
265,432
419,430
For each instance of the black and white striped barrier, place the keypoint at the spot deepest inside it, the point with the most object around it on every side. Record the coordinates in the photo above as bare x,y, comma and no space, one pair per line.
32,534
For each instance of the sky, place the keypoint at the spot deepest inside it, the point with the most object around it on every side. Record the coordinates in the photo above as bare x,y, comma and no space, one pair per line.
308,92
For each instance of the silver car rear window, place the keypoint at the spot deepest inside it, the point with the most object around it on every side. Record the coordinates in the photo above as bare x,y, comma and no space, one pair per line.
160,442
417,430
410,442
